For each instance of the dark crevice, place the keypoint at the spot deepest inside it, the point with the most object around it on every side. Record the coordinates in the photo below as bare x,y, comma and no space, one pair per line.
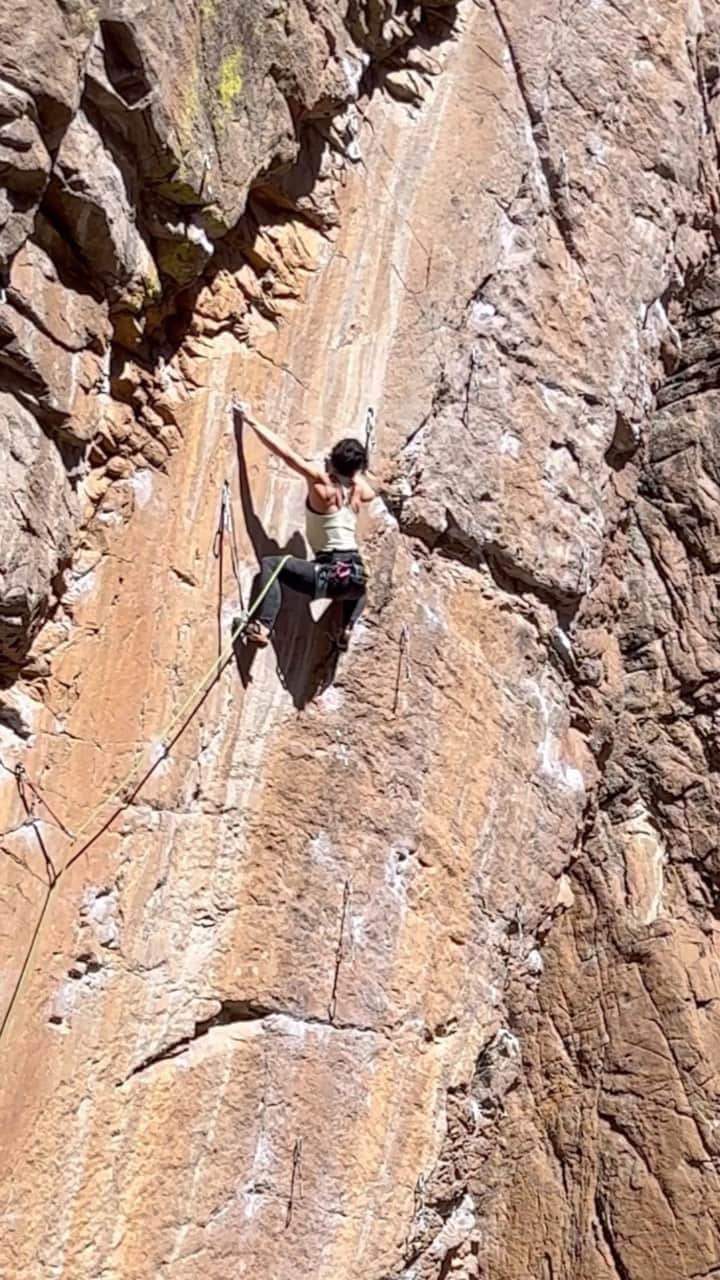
11,718
623,445
243,1011
123,62
55,238
607,1235
517,579
231,1011
692,380
446,1265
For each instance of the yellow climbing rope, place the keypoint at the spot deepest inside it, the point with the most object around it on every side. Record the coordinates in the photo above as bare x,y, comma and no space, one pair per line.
165,739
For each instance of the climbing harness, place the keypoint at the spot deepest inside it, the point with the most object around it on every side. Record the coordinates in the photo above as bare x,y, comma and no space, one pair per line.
129,787
342,578
338,579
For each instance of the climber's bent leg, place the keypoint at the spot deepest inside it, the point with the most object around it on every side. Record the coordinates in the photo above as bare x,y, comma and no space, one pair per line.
352,608
297,574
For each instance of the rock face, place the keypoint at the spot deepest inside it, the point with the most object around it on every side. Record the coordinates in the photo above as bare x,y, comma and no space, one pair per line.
405,967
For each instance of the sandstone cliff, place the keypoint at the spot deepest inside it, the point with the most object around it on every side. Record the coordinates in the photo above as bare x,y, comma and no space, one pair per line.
405,967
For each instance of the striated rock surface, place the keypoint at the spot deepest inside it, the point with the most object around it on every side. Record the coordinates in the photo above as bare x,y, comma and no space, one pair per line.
403,968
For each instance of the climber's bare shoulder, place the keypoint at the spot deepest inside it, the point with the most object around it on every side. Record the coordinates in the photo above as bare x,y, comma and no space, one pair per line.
322,494
365,491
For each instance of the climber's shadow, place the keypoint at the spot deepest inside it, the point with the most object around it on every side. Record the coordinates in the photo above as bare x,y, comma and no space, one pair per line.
305,652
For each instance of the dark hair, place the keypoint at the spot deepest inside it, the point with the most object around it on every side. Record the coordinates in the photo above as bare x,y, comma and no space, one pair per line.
347,457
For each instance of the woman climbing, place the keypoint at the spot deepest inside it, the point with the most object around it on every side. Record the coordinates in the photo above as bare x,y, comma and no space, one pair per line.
335,494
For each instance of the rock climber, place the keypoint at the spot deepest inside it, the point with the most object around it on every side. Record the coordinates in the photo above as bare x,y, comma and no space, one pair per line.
335,494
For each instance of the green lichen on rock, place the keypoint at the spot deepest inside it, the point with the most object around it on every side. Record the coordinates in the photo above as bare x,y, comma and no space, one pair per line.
137,295
178,259
182,185
230,80
82,16
190,110
178,188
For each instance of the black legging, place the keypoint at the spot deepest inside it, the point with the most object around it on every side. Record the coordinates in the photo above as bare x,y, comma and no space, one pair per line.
299,575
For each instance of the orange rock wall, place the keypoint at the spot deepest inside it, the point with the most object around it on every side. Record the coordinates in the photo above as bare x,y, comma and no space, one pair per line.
403,967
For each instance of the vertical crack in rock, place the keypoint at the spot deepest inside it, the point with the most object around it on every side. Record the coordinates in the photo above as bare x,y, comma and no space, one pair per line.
606,1230
553,180
618,1025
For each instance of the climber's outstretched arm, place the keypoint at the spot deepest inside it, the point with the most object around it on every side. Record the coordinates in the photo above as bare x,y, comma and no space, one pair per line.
310,470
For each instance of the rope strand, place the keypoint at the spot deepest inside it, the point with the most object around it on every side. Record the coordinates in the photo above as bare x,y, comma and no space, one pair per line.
167,741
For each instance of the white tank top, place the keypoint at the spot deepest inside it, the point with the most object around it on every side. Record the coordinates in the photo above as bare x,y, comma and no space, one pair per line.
334,531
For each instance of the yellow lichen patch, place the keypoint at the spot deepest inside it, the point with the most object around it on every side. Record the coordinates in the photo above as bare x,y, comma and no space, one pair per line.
83,16
230,81
140,293
207,9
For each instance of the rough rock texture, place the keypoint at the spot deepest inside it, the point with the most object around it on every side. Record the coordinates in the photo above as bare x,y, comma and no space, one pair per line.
36,524
406,968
